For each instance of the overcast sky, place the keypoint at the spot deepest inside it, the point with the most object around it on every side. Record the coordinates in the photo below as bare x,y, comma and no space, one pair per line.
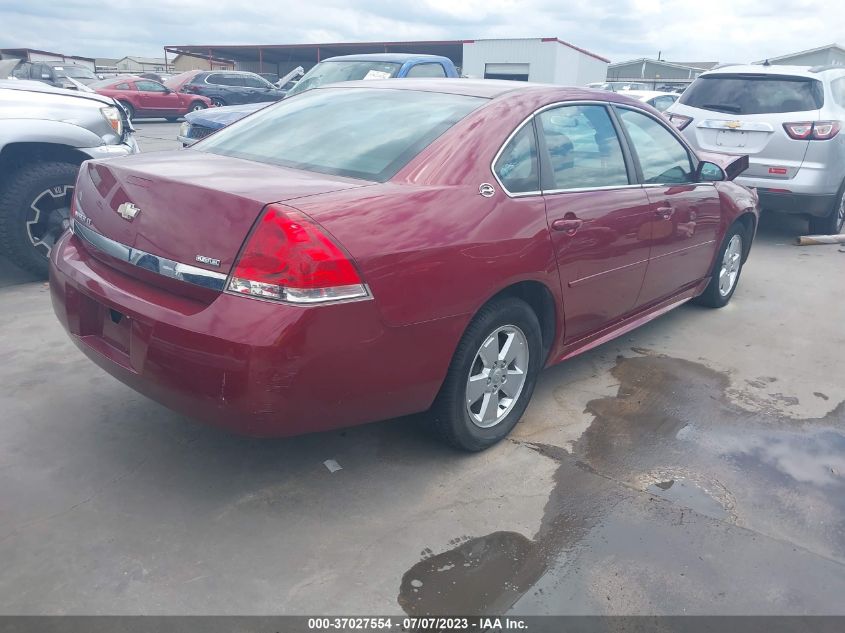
713,30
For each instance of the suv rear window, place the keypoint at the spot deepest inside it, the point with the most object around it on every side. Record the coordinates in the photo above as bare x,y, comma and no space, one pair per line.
356,132
754,94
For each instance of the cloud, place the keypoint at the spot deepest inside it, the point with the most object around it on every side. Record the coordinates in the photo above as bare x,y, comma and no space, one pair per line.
720,30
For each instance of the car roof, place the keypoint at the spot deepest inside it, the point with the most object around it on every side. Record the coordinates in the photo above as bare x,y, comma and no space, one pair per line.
648,94
400,58
487,89
762,69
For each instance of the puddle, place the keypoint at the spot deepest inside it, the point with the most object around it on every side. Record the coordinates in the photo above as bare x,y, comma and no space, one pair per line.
672,434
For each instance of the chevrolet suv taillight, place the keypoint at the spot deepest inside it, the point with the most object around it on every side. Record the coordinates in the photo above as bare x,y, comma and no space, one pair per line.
812,130
289,257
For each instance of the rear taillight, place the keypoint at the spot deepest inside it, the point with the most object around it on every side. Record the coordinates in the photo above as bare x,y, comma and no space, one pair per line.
679,121
289,257
812,131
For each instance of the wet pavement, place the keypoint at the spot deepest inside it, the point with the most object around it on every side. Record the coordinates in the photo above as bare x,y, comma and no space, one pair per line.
659,505
694,466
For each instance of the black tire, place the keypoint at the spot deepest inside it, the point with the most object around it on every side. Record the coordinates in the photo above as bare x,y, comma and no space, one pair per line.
27,234
452,420
713,297
130,111
218,102
834,223
196,106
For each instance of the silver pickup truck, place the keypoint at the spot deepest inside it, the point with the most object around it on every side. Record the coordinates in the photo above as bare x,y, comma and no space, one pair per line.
45,134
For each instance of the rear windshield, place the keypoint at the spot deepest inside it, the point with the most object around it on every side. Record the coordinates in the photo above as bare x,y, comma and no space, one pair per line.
754,94
357,132
328,72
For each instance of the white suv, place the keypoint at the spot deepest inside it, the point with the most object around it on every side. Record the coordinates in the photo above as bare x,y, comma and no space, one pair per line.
787,119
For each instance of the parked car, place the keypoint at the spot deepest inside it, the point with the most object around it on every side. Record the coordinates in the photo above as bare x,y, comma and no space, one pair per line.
45,134
374,66
310,267
617,86
147,98
198,125
225,87
658,100
331,70
54,74
788,120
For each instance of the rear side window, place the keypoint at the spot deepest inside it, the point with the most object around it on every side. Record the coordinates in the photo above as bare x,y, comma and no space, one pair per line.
583,148
225,80
426,70
663,159
517,166
754,94
357,132
122,87
255,82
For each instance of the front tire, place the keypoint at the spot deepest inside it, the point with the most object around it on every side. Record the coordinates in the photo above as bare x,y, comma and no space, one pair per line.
34,212
834,223
491,377
726,271
130,111
196,106
219,103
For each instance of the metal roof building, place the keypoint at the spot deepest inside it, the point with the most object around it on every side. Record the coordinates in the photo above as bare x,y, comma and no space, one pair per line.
547,59
832,54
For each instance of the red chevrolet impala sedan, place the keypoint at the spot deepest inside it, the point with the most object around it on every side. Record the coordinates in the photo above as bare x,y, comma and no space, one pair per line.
375,249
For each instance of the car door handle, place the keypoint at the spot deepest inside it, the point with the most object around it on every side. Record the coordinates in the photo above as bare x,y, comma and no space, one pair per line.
570,225
664,213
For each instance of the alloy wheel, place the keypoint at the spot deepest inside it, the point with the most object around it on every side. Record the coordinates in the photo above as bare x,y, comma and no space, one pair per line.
731,263
497,376
49,217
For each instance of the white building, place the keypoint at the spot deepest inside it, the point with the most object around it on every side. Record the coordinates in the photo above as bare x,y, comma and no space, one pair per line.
544,60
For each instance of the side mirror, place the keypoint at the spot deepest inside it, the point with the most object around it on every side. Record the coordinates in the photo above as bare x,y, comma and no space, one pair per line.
709,172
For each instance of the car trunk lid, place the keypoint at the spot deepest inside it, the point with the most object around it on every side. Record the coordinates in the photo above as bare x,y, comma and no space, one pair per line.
188,207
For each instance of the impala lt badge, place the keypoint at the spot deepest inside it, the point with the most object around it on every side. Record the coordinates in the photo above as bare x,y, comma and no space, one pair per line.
128,211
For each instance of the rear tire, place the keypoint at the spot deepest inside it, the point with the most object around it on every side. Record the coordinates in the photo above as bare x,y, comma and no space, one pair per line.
491,377
130,111
219,103
34,211
726,271
834,223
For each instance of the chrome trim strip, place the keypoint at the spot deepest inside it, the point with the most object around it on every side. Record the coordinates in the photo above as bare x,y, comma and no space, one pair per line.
578,282
148,261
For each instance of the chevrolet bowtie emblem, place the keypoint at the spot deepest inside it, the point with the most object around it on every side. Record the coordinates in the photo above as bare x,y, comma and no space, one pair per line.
733,124
128,211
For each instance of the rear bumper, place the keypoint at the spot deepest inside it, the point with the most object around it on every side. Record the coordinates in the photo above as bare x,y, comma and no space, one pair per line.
254,367
818,205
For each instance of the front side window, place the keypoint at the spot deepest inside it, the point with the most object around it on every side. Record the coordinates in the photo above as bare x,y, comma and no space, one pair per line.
426,70
221,79
517,166
663,159
122,87
150,86
583,148
251,81
357,132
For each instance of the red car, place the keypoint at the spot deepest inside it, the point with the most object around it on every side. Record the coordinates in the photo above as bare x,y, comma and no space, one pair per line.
145,98
380,248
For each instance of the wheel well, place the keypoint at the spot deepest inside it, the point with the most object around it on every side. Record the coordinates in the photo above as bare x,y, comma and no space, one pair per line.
15,155
541,300
749,222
